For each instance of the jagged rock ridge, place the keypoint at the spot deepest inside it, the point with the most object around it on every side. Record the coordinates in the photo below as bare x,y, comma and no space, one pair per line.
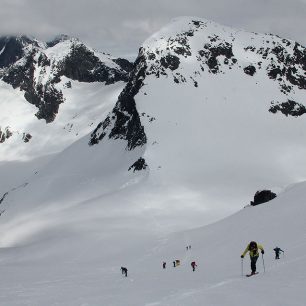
36,68
124,121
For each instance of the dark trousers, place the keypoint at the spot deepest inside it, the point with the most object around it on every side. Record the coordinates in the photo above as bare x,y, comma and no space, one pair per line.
253,263
276,255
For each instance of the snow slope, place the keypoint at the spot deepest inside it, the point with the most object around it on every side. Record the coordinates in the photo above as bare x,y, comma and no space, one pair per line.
85,105
76,255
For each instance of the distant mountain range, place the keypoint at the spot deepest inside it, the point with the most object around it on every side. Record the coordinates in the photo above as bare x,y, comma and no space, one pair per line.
42,71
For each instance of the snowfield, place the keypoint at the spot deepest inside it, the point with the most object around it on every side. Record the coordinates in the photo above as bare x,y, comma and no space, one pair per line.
74,254
86,104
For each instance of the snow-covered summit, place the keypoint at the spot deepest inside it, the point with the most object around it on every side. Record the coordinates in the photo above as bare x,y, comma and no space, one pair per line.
218,48
212,105
37,82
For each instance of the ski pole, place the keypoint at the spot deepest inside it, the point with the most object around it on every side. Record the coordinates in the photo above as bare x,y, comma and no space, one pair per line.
263,263
241,266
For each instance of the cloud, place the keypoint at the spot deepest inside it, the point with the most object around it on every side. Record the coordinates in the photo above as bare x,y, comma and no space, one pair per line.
120,26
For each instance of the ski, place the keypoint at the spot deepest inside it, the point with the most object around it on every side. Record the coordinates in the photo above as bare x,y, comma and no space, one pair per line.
248,275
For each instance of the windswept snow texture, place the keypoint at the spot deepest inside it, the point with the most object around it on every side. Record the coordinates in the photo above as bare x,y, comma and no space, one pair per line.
53,93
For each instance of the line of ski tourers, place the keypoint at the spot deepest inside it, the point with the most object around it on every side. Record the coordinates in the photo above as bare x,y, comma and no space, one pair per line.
252,248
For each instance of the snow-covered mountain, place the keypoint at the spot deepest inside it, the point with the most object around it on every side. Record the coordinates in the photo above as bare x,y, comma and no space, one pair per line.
209,115
201,125
53,90
218,113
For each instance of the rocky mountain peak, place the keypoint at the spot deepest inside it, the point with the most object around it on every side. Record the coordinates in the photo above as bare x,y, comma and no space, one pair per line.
12,48
210,58
45,74
57,39
29,65
218,49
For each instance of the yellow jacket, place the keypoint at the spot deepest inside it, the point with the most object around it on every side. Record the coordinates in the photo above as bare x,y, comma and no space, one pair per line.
253,253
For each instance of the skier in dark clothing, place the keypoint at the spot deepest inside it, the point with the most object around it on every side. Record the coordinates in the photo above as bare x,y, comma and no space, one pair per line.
174,264
277,250
164,265
124,271
193,265
252,248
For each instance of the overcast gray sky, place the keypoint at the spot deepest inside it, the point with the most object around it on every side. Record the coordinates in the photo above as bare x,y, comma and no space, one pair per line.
120,26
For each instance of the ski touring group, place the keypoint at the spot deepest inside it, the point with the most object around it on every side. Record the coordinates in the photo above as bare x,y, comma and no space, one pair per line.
252,248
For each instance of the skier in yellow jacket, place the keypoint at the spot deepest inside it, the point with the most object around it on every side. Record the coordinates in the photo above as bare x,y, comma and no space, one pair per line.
254,254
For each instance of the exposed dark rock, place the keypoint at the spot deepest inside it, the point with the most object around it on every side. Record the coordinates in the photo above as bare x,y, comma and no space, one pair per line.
3,197
124,122
196,23
68,84
82,65
250,70
124,64
46,98
275,72
12,49
289,108
263,52
211,52
139,165
300,55
151,56
26,137
21,75
179,44
170,61
43,60
263,196
286,42
178,78
6,134
250,48
296,79
285,65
